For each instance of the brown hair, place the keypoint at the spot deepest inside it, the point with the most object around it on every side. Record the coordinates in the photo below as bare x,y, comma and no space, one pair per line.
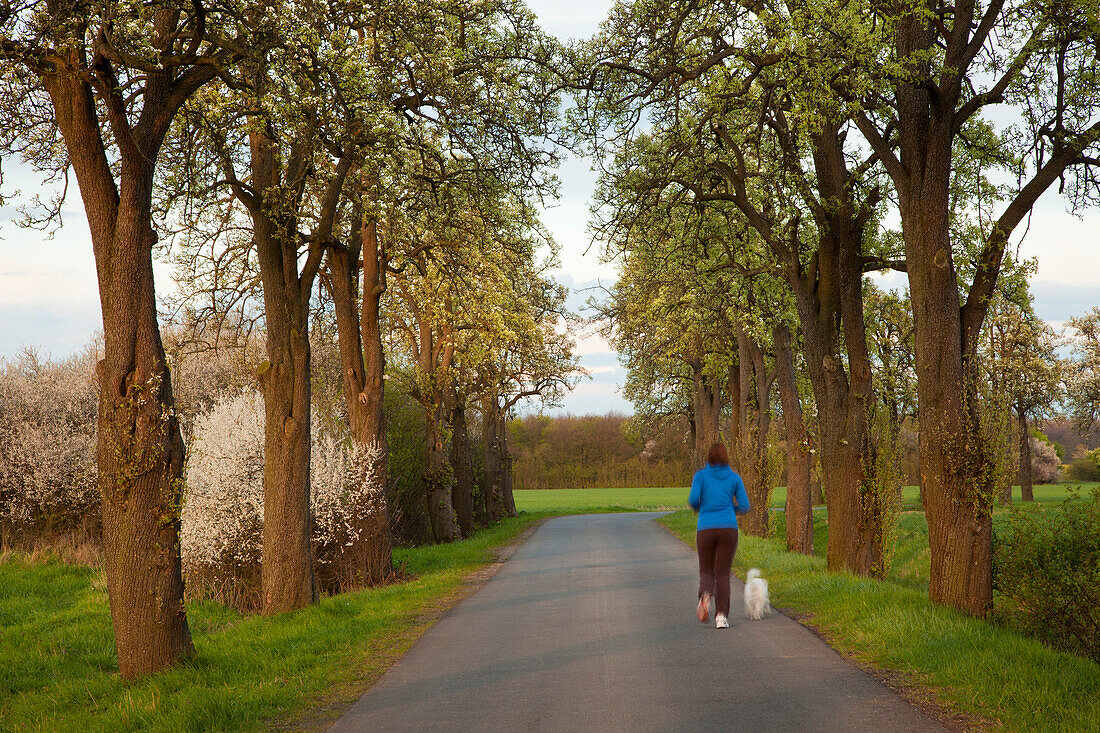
717,455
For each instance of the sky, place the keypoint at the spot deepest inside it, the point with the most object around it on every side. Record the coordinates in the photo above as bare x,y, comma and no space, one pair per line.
49,299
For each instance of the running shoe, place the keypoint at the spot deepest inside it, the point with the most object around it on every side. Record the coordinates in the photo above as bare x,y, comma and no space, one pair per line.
721,622
703,609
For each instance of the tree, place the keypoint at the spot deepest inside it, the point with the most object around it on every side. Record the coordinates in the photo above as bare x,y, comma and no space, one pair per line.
693,309
669,315
799,506
470,307
734,131
1083,379
1024,350
530,358
106,83
258,135
917,80
444,95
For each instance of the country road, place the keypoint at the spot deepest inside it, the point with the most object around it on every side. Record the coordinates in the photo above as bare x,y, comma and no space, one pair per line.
590,626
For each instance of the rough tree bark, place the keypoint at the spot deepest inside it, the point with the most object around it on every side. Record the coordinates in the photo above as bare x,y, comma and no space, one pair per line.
706,410
828,297
733,385
799,505
507,475
829,300
493,471
463,491
931,109
140,450
438,477
287,580
363,365
435,358
755,419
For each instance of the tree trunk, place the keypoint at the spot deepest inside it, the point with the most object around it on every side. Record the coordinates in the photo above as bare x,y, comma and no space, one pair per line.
139,457
828,294
799,507
493,472
463,492
507,477
1026,488
754,389
438,478
140,452
286,581
958,485
363,365
733,381
955,460
706,410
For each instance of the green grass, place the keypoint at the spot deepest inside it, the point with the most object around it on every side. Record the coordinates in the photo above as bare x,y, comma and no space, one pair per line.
58,669
970,665
578,501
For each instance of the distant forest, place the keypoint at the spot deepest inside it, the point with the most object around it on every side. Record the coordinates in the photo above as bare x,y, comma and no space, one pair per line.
589,451
570,452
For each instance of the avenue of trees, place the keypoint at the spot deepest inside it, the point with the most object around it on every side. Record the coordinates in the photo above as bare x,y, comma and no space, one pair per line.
759,159
368,167
347,194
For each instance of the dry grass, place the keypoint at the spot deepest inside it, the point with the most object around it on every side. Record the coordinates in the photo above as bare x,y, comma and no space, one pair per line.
70,549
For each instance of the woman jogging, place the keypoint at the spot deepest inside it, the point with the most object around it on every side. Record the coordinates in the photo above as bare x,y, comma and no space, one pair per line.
718,494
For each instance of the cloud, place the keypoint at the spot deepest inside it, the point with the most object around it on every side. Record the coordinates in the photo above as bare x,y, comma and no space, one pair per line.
570,18
607,369
1060,301
57,331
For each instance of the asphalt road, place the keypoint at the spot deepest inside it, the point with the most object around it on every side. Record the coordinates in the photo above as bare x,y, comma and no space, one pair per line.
591,626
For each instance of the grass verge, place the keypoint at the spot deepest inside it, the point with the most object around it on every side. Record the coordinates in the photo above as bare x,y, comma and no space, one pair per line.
969,666
578,501
58,669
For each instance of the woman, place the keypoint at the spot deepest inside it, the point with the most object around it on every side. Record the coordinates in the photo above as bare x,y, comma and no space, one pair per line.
718,494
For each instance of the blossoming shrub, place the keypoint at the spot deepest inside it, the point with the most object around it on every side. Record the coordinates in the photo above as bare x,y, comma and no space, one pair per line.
48,414
222,533
223,505
349,516
1046,466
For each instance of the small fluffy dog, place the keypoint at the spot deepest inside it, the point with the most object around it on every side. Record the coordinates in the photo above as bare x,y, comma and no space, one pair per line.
756,596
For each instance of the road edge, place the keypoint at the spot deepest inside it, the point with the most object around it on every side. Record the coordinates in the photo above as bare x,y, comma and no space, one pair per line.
906,685
321,716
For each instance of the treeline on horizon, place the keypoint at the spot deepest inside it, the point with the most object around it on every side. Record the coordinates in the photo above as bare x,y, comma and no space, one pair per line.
610,451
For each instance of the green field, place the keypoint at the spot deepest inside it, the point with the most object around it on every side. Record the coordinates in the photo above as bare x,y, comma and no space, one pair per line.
577,501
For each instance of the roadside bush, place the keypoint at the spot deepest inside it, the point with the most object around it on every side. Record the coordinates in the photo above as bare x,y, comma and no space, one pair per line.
407,501
1085,466
221,538
1047,572
223,506
48,414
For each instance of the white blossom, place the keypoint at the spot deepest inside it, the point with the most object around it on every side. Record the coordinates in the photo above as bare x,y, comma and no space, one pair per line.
48,414
223,498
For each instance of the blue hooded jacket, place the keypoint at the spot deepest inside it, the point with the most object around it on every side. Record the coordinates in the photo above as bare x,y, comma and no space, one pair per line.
714,491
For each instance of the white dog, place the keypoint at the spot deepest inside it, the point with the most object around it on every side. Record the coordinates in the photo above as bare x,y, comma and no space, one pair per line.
756,596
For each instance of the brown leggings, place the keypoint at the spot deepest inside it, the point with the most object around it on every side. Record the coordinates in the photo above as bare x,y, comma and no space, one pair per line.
716,548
